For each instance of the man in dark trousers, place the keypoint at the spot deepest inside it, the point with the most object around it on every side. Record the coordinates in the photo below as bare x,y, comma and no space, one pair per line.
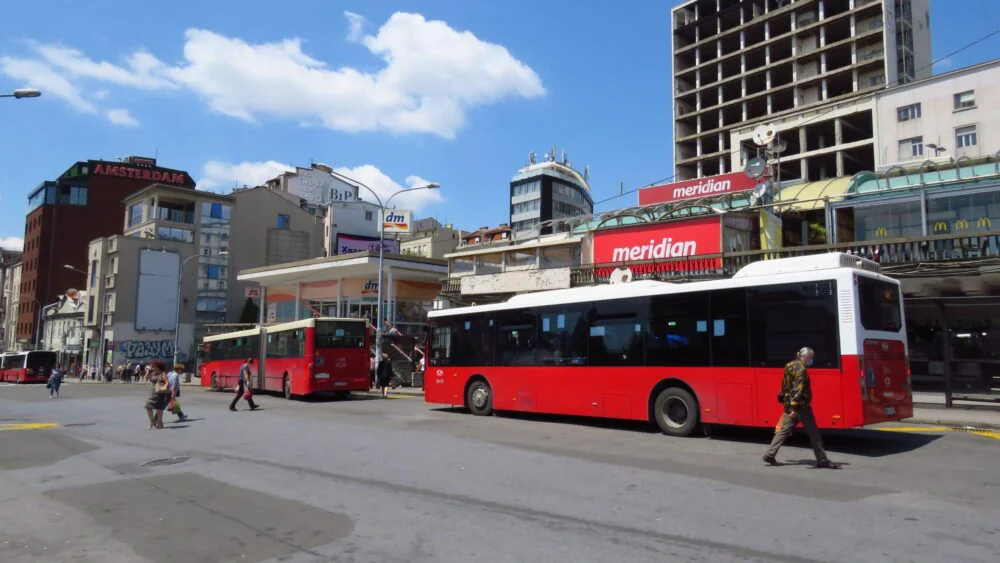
796,395
244,384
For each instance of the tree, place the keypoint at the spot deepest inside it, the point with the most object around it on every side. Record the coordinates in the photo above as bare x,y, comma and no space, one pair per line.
251,312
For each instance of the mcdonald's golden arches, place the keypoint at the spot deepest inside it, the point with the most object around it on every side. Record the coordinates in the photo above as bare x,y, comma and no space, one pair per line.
984,222
940,227
961,225
881,232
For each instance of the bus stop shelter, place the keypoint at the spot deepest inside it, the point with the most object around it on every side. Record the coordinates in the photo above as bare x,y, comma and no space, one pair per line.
347,286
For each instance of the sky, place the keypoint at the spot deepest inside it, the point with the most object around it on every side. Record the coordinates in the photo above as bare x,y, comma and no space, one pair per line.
392,93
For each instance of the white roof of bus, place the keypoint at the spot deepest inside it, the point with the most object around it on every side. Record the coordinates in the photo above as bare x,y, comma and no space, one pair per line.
783,270
310,322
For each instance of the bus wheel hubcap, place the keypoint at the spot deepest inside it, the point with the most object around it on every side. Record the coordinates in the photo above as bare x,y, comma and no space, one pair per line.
479,397
675,412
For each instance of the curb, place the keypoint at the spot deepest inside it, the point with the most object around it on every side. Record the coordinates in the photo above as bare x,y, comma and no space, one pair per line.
959,425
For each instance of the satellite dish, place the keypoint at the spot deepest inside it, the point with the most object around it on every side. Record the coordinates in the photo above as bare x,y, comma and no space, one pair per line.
756,167
778,146
621,275
758,192
764,134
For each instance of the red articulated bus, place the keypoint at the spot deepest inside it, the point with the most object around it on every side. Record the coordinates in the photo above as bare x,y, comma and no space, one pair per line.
27,367
298,358
680,354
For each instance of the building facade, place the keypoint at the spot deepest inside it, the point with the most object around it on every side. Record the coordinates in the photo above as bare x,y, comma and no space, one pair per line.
84,203
63,328
948,116
11,274
133,278
544,191
430,239
745,61
271,229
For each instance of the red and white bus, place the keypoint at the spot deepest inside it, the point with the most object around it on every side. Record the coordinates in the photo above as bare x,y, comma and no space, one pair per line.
27,367
298,358
680,354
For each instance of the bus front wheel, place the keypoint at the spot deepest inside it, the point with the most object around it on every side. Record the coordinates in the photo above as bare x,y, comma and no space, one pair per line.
479,398
676,411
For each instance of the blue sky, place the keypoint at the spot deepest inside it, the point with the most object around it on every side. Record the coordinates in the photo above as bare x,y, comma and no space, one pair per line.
396,93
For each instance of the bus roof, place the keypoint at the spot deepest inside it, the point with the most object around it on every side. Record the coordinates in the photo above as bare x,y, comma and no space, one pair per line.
783,269
304,323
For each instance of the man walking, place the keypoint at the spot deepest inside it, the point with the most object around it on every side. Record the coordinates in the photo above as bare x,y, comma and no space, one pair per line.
244,384
174,382
796,396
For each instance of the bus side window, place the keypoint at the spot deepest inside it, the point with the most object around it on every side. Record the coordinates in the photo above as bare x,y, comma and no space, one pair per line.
516,338
678,330
786,317
730,344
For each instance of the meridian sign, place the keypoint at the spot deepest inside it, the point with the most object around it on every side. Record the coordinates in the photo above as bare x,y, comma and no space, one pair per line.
693,189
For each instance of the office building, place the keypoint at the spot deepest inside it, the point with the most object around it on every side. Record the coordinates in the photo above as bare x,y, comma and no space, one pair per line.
740,63
545,191
82,204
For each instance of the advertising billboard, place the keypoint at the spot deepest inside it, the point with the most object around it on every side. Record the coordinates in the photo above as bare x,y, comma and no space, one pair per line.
397,221
694,189
662,241
349,244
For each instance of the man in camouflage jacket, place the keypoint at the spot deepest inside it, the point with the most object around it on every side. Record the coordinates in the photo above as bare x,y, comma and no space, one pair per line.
796,396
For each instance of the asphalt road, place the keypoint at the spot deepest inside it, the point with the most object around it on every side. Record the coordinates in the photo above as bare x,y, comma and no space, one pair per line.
398,480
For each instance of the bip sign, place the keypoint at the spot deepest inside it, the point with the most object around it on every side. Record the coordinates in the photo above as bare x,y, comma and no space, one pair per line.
396,221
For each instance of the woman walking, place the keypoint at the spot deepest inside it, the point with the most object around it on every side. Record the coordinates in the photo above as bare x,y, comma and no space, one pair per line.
159,395
384,375
55,380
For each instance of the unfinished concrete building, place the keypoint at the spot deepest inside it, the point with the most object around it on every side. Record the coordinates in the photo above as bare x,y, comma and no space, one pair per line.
743,62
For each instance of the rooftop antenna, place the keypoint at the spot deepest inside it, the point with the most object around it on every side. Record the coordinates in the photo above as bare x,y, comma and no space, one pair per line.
532,157
586,172
565,157
552,155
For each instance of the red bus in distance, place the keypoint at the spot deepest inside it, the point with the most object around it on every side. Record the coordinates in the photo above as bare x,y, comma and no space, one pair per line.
297,359
683,354
27,367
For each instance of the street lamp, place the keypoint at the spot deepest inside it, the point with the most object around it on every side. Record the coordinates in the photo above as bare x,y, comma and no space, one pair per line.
180,282
23,93
937,150
380,312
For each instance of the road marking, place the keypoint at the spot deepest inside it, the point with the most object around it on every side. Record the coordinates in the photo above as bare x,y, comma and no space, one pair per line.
978,431
28,426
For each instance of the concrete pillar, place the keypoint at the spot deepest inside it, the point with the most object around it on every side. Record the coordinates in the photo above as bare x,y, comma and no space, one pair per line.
392,298
298,300
262,313
340,297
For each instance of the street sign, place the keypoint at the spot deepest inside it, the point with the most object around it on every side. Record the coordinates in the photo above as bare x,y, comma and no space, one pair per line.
252,293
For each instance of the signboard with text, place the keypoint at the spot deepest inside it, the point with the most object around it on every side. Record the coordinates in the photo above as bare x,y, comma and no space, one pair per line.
349,244
661,241
397,221
252,293
693,189
138,168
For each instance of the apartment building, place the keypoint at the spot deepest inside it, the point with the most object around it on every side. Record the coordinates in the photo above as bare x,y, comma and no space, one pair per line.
740,63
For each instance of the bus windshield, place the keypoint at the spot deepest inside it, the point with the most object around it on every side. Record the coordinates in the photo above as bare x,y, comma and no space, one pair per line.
879,304
334,334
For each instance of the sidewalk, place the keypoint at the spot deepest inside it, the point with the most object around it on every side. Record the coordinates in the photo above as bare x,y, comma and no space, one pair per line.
195,382
928,408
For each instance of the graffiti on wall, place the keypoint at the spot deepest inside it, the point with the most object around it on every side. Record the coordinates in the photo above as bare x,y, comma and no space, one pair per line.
137,350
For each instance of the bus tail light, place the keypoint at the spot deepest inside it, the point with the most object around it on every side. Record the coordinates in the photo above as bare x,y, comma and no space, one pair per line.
863,380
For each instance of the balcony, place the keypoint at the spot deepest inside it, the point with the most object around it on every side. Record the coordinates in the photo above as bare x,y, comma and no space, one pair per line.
175,215
110,280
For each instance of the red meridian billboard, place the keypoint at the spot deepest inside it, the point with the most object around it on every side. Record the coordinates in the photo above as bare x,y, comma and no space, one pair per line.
692,237
702,187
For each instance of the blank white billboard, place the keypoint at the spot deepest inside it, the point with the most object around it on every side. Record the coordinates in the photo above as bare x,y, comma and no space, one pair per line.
156,299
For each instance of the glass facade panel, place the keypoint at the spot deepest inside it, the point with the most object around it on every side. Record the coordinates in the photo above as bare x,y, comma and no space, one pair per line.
213,267
891,220
963,213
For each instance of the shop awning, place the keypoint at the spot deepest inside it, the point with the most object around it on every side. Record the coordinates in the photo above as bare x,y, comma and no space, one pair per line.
810,196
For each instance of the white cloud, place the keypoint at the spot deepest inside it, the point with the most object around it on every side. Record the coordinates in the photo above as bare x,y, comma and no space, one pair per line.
216,173
432,75
122,117
12,243
355,26
385,186
51,83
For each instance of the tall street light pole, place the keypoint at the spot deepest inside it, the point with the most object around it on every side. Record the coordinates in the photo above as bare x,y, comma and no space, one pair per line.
180,283
380,311
23,93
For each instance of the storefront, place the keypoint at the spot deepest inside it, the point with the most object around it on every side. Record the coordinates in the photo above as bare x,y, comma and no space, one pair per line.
347,286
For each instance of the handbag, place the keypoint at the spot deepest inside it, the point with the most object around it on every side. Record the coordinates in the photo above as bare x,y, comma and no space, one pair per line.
48,385
247,394
161,386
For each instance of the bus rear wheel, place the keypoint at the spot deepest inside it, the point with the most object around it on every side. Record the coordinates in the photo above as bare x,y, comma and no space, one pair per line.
676,411
479,398
286,386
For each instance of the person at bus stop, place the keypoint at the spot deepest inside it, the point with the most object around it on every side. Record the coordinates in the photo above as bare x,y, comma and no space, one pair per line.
55,380
243,387
174,380
796,396
384,375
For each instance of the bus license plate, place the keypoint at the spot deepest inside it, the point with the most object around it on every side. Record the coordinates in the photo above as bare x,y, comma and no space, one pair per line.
322,376
340,384
889,411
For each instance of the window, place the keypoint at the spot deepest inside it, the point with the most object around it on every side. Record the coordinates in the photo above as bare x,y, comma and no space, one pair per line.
93,273
135,215
562,336
615,333
526,188
286,344
516,338
875,80
212,271
965,100
909,112
678,330
340,335
369,216
730,339
283,221
786,317
472,341
911,148
211,304
525,206
966,137
879,304
173,233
